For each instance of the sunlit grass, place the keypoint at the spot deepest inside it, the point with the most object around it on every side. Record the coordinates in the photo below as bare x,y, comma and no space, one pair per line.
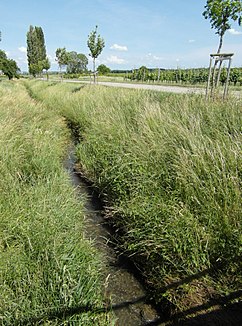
46,266
170,168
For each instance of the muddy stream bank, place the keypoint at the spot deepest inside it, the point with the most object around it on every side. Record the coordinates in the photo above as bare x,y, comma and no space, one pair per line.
128,298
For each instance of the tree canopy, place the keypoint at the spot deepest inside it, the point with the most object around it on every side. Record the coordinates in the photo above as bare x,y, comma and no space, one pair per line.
3,55
95,44
103,70
77,62
8,66
221,13
36,51
62,57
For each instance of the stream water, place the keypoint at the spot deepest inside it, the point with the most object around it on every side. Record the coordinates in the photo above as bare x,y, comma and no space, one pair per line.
127,295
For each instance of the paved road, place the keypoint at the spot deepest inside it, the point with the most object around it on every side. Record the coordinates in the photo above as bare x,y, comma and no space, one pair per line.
161,88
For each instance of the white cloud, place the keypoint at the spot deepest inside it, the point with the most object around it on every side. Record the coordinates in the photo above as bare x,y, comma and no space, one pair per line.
234,32
157,58
21,60
151,58
22,49
191,41
115,59
119,47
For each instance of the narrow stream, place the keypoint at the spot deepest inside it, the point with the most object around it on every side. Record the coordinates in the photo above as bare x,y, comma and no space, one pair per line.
128,296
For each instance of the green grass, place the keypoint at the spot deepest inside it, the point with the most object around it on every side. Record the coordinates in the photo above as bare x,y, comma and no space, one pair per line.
47,268
170,168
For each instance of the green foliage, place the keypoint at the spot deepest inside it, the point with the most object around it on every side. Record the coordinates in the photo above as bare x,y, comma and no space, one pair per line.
36,51
142,73
77,63
235,76
46,64
8,66
223,76
103,69
62,57
3,55
220,13
46,265
169,167
182,76
95,44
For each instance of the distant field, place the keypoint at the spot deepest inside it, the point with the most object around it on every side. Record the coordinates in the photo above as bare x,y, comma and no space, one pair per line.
169,167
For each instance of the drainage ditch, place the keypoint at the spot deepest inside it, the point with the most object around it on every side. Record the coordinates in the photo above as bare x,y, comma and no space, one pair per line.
122,288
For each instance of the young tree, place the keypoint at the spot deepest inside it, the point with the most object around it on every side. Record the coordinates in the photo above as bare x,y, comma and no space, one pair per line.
46,66
221,13
36,50
62,57
95,44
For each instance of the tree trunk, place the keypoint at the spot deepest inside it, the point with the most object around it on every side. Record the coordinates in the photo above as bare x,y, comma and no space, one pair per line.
220,43
94,72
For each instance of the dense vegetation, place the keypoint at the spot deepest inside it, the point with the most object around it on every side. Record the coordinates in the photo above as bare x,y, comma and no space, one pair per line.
196,76
49,274
184,76
169,167
36,51
8,66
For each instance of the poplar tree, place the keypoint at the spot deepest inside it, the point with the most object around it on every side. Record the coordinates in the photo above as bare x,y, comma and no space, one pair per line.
36,50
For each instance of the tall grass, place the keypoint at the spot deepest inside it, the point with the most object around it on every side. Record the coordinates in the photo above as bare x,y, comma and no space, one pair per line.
49,274
170,168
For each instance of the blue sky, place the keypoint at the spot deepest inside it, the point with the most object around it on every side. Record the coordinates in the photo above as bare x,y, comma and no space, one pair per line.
154,33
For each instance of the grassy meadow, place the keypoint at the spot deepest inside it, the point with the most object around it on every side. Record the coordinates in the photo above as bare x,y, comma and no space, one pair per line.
169,167
49,274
